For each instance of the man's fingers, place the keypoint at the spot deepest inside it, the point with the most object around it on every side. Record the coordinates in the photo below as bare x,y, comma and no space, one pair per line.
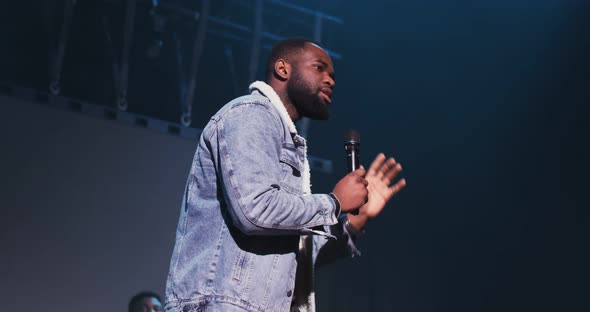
376,164
392,173
385,168
397,187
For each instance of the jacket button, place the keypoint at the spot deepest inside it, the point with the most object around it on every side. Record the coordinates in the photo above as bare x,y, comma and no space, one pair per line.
289,293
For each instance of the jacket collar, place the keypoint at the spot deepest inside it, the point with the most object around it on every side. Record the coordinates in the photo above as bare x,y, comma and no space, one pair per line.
274,98
270,93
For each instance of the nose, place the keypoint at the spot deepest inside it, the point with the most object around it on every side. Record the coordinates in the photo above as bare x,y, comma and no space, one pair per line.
330,82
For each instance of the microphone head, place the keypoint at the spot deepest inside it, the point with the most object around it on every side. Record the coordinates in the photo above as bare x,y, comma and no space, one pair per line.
352,136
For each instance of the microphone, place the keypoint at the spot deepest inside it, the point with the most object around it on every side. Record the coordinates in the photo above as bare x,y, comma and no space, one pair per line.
352,148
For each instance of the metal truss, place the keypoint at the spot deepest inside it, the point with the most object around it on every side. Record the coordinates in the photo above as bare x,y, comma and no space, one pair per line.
257,23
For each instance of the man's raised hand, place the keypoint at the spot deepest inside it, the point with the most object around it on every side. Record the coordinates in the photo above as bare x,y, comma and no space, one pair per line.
381,174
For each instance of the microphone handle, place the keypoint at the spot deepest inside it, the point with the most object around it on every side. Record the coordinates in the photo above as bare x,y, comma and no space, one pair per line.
352,161
352,157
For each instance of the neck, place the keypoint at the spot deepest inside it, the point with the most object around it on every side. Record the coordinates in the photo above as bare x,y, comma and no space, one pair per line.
281,90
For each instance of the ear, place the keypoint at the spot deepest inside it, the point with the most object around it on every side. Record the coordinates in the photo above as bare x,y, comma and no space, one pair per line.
282,69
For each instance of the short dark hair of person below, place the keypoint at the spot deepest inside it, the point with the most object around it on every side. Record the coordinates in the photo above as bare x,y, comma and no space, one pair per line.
136,300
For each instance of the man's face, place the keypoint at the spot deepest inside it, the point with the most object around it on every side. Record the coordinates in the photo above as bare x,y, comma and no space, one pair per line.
149,304
311,83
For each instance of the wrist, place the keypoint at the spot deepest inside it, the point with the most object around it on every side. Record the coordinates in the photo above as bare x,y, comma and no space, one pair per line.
352,226
355,224
337,203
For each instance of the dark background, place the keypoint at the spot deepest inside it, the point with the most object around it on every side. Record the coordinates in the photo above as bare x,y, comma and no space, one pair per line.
483,102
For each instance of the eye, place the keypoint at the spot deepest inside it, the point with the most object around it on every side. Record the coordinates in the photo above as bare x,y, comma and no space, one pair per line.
319,68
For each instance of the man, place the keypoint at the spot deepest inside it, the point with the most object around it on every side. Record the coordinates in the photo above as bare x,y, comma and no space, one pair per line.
146,301
250,230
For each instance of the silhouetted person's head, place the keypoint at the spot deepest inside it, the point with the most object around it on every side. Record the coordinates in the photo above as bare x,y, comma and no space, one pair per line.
146,301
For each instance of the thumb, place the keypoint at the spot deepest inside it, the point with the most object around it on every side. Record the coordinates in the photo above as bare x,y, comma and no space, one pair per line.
360,172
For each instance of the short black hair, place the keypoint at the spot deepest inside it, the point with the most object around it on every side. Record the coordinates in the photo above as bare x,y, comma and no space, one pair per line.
285,49
136,300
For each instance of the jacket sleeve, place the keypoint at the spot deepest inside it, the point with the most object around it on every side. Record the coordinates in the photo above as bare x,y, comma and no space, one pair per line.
249,140
327,250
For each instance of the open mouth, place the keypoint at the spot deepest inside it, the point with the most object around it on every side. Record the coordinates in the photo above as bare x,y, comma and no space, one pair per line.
328,95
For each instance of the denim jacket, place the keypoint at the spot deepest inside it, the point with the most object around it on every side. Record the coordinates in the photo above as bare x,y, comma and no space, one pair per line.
245,219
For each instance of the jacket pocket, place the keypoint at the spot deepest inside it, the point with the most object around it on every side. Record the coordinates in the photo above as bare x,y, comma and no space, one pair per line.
291,169
290,157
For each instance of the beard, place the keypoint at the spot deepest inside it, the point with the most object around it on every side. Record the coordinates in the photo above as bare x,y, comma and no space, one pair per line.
306,99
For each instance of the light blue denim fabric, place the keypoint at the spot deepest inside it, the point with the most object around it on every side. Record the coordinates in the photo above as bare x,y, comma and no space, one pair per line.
243,212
